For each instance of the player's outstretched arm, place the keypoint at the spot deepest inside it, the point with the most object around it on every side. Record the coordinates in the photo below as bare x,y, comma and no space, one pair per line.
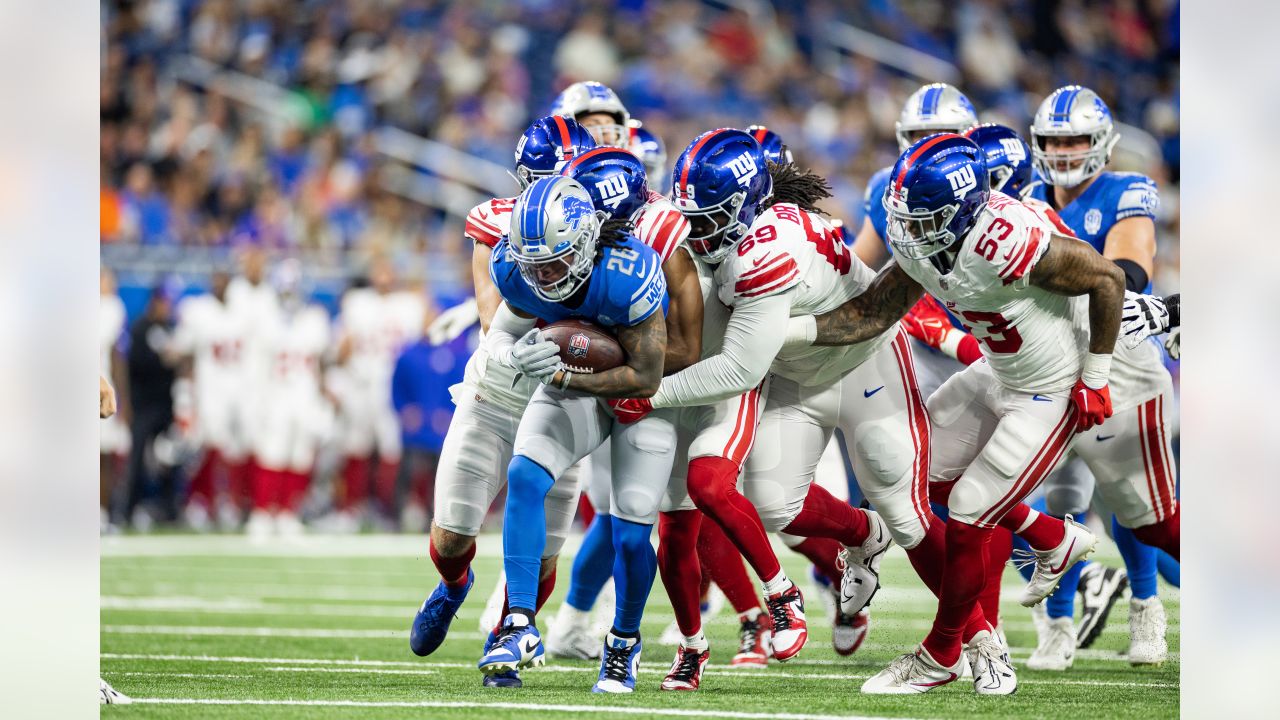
1072,267
487,296
684,316
645,345
869,247
861,318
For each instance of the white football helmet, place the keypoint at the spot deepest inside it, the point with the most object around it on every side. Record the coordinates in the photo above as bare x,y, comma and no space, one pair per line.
554,230
938,107
1072,111
587,98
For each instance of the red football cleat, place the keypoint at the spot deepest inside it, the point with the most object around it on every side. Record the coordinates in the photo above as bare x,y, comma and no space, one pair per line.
790,632
686,671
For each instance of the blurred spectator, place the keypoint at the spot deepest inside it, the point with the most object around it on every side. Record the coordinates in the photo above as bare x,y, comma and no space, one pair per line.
151,398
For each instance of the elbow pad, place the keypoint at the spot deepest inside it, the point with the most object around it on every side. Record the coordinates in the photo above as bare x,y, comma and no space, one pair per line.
1135,278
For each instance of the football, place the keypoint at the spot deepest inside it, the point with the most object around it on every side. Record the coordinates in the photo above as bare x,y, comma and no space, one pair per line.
584,346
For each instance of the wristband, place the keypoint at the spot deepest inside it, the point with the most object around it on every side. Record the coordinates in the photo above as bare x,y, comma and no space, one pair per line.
1097,368
950,345
564,379
801,332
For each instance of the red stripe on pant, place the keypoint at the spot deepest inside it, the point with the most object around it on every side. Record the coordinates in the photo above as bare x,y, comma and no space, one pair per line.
1165,479
1036,470
919,423
1146,437
744,429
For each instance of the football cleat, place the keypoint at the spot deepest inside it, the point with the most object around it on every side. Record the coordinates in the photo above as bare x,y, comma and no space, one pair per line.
790,632
686,671
1052,564
671,634
491,617
1147,625
517,645
861,566
988,661
1057,647
912,673
570,635
753,645
508,679
849,631
1040,620
108,695
619,665
1099,589
431,624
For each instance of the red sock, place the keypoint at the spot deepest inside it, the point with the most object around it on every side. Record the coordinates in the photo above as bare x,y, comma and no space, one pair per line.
453,570
355,480
265,487
722,563
586,512
1166,534
822,552
384,483
679,568
929,560
962,581
713,486
1044,533
704,585
545,587
998,550
823,515
201,490
238,482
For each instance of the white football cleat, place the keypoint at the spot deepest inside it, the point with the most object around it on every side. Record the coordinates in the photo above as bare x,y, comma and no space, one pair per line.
848,632
1051,565
570,635
108,695
1147,625
988,661
861,566
260,526
911,674
1040,619
1099,589
492,615
1057,648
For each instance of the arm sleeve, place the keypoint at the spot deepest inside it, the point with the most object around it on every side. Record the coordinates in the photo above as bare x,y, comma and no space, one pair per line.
752,339
505,329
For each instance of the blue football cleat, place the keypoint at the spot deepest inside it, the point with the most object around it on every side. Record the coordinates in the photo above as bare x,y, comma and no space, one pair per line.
619,665
518,645
431,624
509,679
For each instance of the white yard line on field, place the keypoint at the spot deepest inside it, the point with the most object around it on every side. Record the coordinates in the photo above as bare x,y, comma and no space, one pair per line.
362,671
521,707
178,675
263,631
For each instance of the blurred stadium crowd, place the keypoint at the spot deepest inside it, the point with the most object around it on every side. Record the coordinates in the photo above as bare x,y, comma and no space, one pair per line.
325,150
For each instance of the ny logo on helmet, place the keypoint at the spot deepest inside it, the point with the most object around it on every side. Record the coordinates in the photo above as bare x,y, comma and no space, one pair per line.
1013,150
744,168
612,191
962,181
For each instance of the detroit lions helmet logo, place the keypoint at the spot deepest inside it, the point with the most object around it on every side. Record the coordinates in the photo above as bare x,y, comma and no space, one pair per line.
574,210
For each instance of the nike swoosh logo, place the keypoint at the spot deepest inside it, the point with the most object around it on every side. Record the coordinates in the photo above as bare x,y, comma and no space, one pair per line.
869,393
529,645
1100,438
940,682
1041,398
1065,560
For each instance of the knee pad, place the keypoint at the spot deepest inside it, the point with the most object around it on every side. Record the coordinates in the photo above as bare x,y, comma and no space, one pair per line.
1066,500
527,481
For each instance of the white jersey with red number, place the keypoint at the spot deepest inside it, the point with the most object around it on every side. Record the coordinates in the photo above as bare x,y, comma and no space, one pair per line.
1137,374
1029,335
298,342
213,335
792,251
489,221
378,325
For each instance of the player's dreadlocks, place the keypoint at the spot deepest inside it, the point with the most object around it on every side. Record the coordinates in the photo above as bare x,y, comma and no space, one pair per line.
612,233
798,187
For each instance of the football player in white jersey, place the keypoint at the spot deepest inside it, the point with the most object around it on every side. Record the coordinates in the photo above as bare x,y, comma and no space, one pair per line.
113,432
293,416
777,257
597,108
1003,423
250,297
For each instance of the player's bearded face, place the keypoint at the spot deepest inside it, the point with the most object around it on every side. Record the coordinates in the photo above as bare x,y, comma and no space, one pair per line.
1066,153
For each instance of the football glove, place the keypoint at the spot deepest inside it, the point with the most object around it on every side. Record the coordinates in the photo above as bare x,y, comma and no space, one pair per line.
927,322
1173,343
536,356
629,410
1093,406
1142,317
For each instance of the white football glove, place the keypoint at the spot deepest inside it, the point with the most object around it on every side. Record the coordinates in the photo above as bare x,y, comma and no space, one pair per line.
1173,343
1142,317
536,356
453,322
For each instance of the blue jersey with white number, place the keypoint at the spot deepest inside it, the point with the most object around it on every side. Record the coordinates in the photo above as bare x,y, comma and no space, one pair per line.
1112,197
626,287
873,204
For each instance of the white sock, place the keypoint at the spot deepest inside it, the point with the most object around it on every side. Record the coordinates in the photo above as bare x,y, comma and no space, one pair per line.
697,641
1031,517
777,584
519,619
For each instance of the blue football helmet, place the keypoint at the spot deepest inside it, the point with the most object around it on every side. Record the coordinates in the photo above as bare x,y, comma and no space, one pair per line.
936,191
721,184
775,151
1072,111
588,98
934,108
649,148
1007,156
554,229
548,144
615,180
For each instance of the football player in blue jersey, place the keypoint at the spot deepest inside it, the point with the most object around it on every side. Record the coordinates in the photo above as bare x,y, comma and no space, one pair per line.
1072,137
556,265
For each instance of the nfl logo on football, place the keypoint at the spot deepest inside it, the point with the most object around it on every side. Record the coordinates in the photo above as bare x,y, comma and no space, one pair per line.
578,345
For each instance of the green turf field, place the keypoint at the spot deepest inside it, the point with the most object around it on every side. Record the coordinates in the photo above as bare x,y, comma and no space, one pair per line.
213,627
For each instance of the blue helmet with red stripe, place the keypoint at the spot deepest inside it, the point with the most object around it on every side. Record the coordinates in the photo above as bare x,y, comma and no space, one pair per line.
615,180
936,191
1007,156
546,145
721,184
775,151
